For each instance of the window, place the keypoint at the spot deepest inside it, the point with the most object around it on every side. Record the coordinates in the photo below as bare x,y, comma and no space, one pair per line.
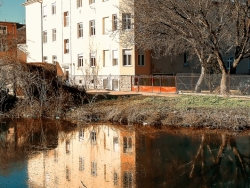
93,168
81,163
67,146
105,25
66,46
80,30
44,36
79,3
105,172
92,60
115,144
80,60
3,45
93,137
115,57
126,21
92,27
53,8
127,144
67,173
81,131
44,11
115,178
127,179
53,34
141,60
185,63
3,29
54,59
45,59
91,1
106,58
114,22
230,61
126,57
66,19
80,81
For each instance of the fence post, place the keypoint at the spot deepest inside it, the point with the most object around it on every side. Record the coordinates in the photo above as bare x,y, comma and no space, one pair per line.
138,84
152,83
160,83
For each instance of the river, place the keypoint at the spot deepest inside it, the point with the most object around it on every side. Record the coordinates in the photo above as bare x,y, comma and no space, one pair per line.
59,154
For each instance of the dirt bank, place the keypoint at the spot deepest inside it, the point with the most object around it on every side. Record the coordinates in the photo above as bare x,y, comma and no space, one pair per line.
182,110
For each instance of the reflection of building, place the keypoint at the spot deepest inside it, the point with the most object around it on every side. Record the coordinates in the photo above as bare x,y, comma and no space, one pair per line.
95,156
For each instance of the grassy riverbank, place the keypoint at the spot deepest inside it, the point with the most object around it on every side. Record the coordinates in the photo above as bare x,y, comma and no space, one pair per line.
182,110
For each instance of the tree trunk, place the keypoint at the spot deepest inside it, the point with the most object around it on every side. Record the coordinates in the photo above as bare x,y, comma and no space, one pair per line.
223,83
198,84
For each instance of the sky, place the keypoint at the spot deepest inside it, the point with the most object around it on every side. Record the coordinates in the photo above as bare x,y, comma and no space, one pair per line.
12,10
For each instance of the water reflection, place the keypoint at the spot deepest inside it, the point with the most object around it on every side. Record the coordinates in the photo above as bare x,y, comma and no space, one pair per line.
115,156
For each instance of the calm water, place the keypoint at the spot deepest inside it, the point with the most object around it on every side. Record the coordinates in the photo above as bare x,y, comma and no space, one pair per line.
58,154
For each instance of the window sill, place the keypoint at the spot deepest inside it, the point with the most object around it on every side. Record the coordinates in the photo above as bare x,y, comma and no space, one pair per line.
127,65
80,37
141,65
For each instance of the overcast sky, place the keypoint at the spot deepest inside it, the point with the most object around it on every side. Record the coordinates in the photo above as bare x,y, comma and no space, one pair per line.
12,10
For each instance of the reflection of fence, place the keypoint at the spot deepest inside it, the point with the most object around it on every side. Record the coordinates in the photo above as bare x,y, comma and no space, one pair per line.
211,82
143,83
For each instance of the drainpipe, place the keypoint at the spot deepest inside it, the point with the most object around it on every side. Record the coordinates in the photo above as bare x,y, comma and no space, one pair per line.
41,27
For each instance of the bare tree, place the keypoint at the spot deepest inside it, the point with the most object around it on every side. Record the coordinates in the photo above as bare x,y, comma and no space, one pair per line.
202,28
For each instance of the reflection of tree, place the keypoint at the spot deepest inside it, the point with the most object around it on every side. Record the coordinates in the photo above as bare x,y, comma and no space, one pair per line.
209,166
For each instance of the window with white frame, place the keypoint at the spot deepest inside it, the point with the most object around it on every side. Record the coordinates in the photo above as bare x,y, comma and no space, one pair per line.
115,178
54,59
3,29
114,22
81,163
66,19
127,57
81,131
79,3
141,59
53,34
93,137
93,168
230,61
67,145
68,173
66,46
115,144
106,58
53,6
115,57
45,37
127,180
127,144
80,30
45,59
44,11
92,27
80,60
91,1
92,60
105,28
126,21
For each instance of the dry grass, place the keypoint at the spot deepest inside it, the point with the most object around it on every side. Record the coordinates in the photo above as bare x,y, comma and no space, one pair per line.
188,111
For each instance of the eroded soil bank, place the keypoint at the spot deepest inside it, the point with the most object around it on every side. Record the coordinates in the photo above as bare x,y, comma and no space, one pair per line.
183,110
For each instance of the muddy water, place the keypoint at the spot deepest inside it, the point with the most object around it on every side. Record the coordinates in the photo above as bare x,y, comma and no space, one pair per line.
59,154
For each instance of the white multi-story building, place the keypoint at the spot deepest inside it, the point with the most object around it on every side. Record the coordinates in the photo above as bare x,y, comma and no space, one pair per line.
78,35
